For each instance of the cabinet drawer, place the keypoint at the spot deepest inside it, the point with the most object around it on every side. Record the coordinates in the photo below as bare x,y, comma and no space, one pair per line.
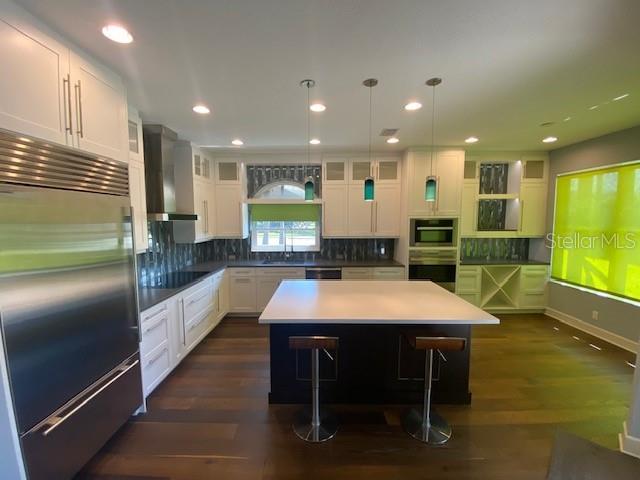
155,330
195,328
155,366
469,280
242,272
279,272
533,281
472,298
533,300
197,302
357,273
388,273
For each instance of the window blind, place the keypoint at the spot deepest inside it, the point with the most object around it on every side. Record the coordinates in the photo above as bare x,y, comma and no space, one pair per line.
596,233
285,213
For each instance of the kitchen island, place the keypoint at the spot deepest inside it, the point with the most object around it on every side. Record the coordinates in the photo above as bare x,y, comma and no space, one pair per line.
374,363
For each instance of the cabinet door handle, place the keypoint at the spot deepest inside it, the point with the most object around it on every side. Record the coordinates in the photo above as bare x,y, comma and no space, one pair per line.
78,89
521,215
153,327
66,91
191,302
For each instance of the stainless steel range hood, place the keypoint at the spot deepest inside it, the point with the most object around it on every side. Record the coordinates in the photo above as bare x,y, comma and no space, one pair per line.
159,144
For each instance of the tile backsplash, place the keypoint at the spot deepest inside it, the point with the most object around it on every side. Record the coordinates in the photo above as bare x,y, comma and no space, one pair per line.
490,249
164,255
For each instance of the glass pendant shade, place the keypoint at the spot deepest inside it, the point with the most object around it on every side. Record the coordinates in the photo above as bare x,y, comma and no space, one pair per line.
430,189
368,189
309,189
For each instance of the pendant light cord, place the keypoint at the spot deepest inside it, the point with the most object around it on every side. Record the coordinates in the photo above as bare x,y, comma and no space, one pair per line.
370,115
308,129
433,124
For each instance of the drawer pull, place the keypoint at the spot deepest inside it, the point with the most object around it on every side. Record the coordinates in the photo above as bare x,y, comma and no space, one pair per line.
152,328
155,314
195,324
155,359
195,300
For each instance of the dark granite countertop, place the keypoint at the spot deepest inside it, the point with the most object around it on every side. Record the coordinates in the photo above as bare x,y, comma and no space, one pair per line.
502,262
150,296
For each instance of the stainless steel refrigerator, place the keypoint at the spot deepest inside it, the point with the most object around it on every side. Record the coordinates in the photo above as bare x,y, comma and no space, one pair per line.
68,305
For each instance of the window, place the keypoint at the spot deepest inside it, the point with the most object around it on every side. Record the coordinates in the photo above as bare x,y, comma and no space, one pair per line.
596,234
284,236
284,227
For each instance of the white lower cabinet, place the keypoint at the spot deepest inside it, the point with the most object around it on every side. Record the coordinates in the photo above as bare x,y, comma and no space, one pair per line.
268,279
357,273
158,327
503,288
242,290
373,273
171,329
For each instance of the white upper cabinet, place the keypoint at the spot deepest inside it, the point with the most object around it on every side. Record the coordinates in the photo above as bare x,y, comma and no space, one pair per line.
334,170
448,166
533,209
231,214
334,210
386,208
99,100
387,170
359,170
228,171
33,85
360,213
137,185
51,92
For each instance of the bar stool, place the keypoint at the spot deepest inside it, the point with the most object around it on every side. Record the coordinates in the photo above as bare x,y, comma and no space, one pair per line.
427,426
316,425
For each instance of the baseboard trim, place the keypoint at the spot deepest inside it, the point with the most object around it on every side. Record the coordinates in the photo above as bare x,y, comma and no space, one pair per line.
628,444
601,333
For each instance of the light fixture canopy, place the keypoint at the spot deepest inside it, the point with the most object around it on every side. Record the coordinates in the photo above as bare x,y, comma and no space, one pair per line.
412,106
317,107
549,139
201,109
117,33
471,139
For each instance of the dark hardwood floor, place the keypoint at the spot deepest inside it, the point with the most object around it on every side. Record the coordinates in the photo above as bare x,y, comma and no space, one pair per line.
210,419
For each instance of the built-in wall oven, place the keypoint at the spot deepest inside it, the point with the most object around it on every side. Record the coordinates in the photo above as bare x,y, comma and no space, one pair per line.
434,232
435,264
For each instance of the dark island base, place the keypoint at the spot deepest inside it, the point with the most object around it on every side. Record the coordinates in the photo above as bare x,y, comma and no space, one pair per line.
374,364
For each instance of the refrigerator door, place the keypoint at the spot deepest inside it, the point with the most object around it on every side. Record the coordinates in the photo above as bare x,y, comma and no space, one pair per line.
67,293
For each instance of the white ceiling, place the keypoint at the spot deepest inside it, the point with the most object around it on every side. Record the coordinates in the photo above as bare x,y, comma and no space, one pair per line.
507,65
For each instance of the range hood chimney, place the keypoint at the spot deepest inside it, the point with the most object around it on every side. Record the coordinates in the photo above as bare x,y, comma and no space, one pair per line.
159,144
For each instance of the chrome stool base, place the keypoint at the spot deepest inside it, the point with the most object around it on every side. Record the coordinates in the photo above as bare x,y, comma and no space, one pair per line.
315,434
437,433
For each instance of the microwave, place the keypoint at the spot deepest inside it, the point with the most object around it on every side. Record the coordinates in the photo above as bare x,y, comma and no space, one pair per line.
434,232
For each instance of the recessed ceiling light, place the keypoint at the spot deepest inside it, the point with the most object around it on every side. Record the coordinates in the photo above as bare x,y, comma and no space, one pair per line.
117,34
393,140
314,141
620,97
566,119
550,139
317,107
237,142
413,106
593,107
471,140
201,109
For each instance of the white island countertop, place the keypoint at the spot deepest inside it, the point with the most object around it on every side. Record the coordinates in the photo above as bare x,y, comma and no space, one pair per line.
370,302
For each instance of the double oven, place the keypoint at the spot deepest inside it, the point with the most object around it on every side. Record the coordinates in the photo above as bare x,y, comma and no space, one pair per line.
433,252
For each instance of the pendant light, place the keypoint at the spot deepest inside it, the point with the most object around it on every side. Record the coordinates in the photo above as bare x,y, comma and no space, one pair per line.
309,184
369,184
431,182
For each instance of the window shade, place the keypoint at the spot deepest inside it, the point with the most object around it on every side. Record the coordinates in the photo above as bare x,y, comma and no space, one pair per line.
285,213
596,240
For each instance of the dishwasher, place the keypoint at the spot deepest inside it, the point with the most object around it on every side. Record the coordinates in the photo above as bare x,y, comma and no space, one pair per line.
320,273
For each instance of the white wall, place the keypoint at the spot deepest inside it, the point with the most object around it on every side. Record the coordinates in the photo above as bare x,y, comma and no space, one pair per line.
615,316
